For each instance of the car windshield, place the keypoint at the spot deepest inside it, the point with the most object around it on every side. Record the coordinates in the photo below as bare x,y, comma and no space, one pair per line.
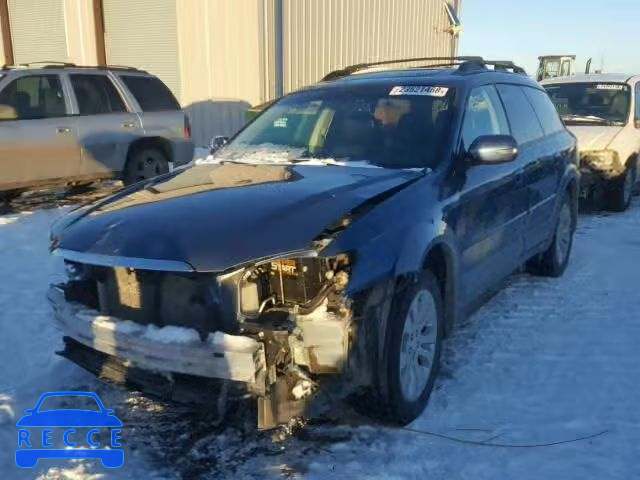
598,103
391,127
68,402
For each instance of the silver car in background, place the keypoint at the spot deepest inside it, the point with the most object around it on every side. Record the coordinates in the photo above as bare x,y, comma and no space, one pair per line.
64,124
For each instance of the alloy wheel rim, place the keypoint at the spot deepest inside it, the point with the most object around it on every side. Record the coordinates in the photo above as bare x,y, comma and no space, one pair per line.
563,234
418,347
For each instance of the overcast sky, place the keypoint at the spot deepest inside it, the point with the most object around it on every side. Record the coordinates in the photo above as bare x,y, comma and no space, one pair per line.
522,30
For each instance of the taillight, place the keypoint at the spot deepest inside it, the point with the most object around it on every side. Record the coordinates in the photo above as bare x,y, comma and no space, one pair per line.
187,127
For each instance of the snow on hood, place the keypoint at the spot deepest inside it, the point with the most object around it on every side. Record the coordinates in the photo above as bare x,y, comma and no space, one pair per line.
270,154
594,137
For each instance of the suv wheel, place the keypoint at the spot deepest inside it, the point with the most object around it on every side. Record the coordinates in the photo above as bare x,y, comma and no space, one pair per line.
144,164
620,190
415,335
553,262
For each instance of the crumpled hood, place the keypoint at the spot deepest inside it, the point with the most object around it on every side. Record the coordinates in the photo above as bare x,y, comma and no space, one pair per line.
594,137
214,217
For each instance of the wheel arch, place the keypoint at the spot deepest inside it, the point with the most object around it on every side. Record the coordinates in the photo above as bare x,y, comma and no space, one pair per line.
439,258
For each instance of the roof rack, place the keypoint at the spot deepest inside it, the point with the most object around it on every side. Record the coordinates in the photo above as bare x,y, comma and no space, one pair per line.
465,64
55,64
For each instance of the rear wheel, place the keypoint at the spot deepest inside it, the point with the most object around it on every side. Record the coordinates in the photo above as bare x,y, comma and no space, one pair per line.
620,190
416,327
144,164
553,262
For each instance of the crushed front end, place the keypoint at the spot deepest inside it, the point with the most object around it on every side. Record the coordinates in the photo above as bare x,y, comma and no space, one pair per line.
597,167
270,329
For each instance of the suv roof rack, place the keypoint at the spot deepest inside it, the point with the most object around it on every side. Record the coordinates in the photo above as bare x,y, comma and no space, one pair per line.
56,64
465,64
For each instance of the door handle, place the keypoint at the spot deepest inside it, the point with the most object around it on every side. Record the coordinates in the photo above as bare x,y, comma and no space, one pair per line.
129,125
63,130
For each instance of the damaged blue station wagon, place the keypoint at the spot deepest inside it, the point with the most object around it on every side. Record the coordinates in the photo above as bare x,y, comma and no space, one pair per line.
344,231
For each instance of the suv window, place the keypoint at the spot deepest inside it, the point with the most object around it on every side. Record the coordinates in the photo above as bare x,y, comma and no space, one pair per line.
35,96
96,94
544,108
152,95
525,126
483,115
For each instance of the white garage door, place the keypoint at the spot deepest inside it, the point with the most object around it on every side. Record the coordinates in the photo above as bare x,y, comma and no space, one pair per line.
143,34
37,31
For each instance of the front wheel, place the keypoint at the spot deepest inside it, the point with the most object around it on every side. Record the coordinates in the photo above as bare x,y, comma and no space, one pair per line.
553,262
416,327
144,164
620,190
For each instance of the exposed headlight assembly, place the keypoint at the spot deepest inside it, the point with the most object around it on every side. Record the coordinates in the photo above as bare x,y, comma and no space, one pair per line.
601,160
291,281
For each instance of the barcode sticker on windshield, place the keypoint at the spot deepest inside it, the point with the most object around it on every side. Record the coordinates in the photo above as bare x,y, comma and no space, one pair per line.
429,91
610,86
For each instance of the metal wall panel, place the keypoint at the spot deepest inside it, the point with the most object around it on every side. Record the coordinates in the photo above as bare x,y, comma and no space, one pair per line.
320,36
222,54
38,31
81,36
144,34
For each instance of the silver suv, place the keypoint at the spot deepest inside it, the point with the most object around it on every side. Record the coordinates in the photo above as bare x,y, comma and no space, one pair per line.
64,124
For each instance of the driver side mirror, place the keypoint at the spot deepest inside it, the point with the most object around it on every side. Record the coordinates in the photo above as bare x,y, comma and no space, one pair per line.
493,149
7,112
217,142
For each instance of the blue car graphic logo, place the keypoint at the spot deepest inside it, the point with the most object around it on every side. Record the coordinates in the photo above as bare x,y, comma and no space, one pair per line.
28,452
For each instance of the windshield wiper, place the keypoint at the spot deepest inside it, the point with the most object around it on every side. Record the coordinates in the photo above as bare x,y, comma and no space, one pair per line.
590,118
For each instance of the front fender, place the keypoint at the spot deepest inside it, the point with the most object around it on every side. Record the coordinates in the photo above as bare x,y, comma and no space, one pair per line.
395,252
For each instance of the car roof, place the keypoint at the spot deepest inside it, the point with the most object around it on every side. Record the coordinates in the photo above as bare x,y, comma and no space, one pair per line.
430,76
594,78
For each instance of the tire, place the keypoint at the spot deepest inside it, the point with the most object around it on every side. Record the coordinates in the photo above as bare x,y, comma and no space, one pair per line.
144,164
553,262
620,190
417,311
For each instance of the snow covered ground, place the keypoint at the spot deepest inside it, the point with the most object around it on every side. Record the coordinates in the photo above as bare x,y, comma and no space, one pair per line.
545,361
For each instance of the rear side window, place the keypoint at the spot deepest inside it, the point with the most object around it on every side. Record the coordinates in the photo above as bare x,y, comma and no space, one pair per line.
96,95
152,95
483,115
35,96
544,108
525,126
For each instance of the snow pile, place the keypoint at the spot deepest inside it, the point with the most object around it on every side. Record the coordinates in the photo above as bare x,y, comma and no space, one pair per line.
275,155
166,334
171,334
263,153
235,343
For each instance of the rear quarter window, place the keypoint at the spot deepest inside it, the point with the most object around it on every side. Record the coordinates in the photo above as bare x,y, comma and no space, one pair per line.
152,95
525,126
545,109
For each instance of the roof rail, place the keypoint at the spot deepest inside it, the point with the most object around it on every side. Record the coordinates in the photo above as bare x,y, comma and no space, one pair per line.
54,64
465,64
498,65
351,69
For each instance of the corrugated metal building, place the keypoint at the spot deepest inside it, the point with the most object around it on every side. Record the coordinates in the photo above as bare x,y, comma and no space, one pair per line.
220,56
